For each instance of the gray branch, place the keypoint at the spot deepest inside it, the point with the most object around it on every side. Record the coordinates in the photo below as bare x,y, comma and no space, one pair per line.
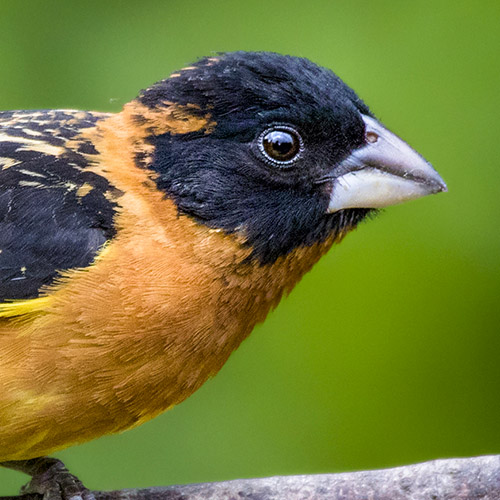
461,479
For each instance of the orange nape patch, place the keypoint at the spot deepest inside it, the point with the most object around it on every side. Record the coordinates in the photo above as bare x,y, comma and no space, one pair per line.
129,132
210,61
169,117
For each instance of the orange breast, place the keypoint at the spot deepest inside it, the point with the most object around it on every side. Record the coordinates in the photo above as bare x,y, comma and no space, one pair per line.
159,312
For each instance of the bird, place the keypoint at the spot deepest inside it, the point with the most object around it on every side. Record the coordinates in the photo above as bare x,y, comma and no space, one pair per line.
139,249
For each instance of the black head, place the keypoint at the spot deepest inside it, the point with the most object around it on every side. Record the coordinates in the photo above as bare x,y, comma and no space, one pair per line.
265,170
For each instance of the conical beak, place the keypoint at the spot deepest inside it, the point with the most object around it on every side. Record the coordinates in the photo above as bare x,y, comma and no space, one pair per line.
385,171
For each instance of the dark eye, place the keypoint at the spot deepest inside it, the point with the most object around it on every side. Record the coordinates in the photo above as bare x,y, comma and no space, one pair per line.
281,145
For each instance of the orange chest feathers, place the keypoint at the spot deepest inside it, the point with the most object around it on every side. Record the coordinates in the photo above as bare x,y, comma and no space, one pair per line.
175,298
159,312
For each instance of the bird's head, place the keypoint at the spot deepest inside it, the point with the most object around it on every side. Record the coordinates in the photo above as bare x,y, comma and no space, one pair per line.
277,150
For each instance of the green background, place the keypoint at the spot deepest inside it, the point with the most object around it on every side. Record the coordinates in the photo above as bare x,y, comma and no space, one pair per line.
388,351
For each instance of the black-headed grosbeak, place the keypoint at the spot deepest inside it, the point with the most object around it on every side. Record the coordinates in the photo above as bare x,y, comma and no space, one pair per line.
138,249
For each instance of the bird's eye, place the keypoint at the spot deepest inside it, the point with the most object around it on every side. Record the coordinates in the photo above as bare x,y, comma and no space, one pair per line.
281,145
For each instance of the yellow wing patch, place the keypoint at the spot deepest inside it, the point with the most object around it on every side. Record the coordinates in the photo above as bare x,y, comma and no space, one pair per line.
23,307
15,308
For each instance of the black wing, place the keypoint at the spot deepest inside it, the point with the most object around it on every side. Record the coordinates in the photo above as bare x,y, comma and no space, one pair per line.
55,214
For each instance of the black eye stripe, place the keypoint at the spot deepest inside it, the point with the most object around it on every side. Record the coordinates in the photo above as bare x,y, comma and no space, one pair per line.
280,145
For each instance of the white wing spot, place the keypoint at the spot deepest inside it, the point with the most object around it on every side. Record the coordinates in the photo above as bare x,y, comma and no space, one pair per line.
33,145
31,184
8,162
30,173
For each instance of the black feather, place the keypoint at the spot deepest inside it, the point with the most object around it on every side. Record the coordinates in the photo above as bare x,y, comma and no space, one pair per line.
45,225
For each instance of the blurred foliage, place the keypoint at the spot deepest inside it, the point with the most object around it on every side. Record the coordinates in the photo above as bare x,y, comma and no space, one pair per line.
388,351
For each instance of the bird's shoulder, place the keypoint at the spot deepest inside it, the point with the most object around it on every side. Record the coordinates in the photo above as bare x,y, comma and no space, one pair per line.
55,212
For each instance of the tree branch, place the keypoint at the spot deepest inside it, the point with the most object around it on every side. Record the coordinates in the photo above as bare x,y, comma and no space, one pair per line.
462,479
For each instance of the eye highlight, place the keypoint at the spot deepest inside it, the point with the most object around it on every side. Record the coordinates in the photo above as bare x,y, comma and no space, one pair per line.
281,145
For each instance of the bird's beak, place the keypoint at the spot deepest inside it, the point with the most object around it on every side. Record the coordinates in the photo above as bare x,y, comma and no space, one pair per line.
384,171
